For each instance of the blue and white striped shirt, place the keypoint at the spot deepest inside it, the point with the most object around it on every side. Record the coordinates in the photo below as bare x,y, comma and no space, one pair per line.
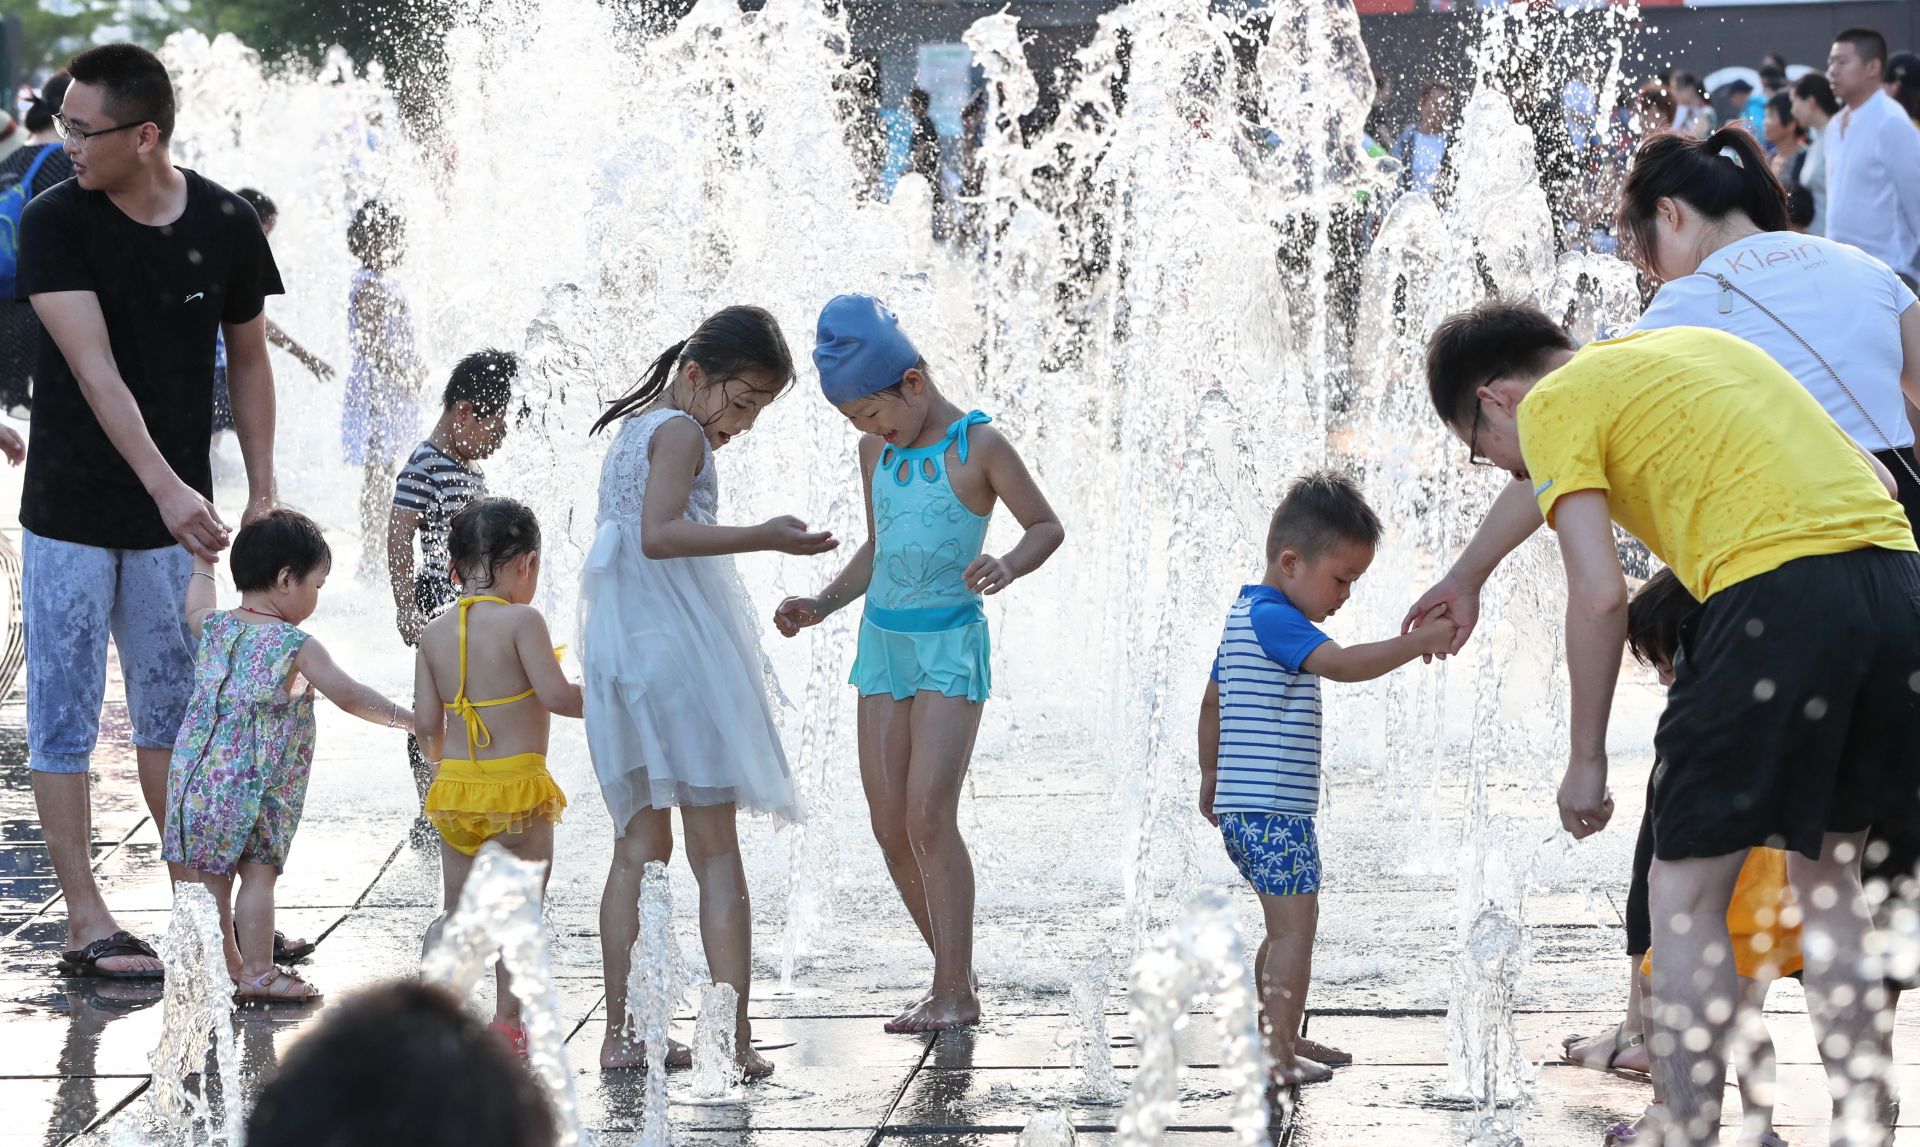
1269,707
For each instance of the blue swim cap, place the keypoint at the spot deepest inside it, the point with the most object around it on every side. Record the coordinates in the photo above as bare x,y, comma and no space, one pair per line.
859,348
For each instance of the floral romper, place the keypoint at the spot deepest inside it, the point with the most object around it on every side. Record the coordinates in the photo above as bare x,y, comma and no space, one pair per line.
239,771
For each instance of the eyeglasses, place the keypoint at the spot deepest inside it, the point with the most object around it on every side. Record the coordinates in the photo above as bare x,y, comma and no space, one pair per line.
69,132
1473,440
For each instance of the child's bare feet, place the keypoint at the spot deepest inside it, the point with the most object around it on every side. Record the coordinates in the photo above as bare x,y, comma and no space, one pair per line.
935,1012
753,1064
1616,1050
1301,1071
618,1053
1321,1053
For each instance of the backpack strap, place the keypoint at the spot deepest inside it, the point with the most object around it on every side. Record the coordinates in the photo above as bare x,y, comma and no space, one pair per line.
33,169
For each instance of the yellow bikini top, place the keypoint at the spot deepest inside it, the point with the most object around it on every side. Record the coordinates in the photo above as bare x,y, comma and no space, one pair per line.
469,710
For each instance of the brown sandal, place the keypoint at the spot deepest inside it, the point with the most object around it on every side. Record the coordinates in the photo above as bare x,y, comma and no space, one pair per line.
277,986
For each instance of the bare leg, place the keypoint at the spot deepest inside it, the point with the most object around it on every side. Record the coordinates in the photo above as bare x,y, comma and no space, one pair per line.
1754,1064
649,836
221,888
886,749
942,731
1286,969
253,918
1845,993
454,867
1594,1051
535,842
153,765
1693,989
64,805
726,917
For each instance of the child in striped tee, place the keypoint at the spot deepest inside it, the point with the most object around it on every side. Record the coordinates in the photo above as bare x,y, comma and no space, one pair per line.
1260,736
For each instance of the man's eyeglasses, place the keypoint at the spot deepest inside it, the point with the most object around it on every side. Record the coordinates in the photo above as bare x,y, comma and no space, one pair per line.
1473,440
69,132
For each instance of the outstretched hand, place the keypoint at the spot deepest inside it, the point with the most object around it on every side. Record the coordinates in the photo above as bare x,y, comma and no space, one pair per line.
790,535
1450,598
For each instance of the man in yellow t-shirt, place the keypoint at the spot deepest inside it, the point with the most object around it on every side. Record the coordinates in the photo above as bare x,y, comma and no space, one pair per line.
1793,720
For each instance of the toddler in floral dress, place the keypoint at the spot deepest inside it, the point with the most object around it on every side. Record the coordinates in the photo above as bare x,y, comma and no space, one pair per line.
239,770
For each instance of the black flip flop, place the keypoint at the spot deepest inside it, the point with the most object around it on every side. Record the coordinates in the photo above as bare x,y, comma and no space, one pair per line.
285,953
86,961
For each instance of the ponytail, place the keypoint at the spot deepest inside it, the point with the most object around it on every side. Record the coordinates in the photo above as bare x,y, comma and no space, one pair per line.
728,345
1723,174
648,390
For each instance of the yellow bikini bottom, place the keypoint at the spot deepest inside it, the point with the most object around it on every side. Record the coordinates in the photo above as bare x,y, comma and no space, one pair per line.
471,802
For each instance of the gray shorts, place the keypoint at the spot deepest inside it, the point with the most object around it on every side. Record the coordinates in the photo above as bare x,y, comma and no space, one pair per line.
73,597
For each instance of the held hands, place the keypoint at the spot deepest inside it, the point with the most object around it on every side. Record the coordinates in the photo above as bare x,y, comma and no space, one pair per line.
1453,598
790,535
192,521
988,575
1585,804
797,613
1435,633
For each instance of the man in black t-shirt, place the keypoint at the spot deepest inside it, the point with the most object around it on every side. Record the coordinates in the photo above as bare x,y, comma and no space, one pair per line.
132,267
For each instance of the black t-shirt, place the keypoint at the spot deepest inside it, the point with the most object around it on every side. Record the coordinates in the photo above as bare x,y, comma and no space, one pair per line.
164,292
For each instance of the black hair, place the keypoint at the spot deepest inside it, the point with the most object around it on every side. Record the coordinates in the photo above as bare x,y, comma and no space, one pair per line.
262,205
1771,77
1814,86
283,539
727,345
1320,509
1654,616
134,80
401,1063
485,379
1493,340
1870,44
376,232
1903,72
40,110
1781,105
487,534
1716,176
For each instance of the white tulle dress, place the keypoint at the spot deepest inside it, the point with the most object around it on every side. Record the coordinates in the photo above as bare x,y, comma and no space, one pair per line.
676,698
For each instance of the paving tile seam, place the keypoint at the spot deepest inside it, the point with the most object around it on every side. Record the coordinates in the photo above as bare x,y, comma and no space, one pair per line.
107,1117
113,849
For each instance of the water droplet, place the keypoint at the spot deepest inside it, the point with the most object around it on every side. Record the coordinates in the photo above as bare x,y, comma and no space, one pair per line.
1763,689
1755,627
1816,708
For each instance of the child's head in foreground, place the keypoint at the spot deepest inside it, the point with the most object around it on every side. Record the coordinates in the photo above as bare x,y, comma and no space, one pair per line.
284,557
1321,540
870,371
401,1063
476,400
494,544
722,375
1653,622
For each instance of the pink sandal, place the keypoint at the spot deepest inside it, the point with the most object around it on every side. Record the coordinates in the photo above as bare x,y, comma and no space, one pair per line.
514,1034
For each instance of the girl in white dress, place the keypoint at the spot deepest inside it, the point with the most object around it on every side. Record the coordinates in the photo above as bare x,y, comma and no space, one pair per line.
676,702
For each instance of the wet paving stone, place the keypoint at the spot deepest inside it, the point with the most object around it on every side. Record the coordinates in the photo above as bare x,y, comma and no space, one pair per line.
49,1111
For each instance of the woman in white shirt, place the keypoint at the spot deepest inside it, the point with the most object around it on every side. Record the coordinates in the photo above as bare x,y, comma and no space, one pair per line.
1814,106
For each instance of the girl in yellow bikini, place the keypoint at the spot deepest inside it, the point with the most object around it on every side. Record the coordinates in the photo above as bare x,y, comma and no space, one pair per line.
486,681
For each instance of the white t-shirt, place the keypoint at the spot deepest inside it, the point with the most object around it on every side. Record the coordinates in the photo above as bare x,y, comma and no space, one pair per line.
1873,182
1843,301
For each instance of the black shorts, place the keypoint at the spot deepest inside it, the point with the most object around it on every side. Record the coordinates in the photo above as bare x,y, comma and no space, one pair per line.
1639,916
1794,711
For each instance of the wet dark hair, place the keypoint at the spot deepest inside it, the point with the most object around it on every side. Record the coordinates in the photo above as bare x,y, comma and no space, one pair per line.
134,80
1781,105
1493,340
1320,509
485,379
728,344
40,110
284,539
1701,174
401,1063
1654,616
487,534
1870,44
262,205
1814,86
376,232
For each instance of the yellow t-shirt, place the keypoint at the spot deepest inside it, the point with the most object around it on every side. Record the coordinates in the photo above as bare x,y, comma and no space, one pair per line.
1709,452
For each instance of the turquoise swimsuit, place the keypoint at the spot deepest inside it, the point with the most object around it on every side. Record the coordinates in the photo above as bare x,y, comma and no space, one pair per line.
923,628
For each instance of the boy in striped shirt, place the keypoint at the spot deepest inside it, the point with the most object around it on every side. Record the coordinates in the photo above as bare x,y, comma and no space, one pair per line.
1260,735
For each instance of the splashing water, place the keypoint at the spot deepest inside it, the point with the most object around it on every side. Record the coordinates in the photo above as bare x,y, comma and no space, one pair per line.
196,1022
1048,1129
716,1070
656,983
499,917
1200,956
1485,1064
1085,1034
